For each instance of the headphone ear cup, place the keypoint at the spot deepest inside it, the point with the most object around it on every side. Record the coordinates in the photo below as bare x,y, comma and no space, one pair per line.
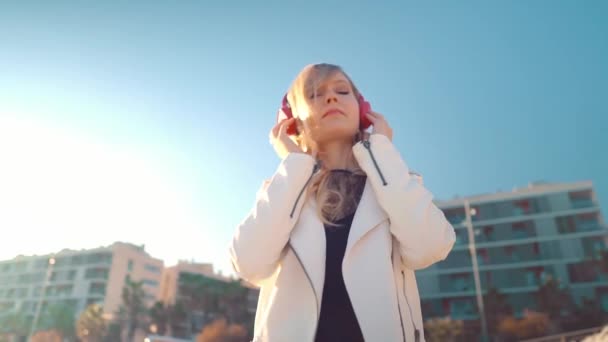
286,113
364,108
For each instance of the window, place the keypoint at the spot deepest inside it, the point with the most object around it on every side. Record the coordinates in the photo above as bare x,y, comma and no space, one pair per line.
21,266
103,258
482,256
96,273
77,260
152,268
521,207
488,233
150,282
565,224
581,199
130,265
22,293
455,215
536,248
98,289
64,290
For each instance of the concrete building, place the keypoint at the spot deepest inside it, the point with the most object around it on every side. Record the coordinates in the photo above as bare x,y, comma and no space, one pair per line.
521,238
171,275
176,286
77,278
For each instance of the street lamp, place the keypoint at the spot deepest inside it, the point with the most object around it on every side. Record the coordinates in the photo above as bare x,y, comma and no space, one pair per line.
49,269
469,212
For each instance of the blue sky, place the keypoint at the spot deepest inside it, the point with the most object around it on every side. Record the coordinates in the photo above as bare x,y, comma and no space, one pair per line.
147,121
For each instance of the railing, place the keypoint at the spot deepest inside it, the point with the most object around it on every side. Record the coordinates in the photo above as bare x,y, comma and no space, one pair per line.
572,336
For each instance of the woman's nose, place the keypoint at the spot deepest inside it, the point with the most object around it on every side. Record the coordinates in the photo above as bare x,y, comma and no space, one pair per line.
331,98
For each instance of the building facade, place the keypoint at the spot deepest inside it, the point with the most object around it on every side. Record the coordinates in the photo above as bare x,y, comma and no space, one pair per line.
77,279
521,238
190,283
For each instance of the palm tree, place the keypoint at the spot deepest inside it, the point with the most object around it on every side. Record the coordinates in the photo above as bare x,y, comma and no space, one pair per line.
133,309
91,325
233,302
159,316
199,295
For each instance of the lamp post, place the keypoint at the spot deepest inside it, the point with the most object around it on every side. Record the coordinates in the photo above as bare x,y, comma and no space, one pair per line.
49,269
469,224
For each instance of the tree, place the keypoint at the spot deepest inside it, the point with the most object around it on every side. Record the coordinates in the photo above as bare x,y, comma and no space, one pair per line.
588,315
91,325
133,311
60,317
220,331
47,336
178,324
554,300
113,332
15,323
442,329
159,317
496,307
533,324
233,300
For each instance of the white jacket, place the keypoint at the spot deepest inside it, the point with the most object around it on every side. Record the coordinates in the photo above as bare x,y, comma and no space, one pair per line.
280,246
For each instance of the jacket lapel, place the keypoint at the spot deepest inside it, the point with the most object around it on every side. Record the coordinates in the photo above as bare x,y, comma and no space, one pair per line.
308,241
368,215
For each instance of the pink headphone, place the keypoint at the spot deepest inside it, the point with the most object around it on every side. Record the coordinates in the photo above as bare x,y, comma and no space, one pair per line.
286,113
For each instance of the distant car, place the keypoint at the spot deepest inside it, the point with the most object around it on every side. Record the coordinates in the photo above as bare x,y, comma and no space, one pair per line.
159,338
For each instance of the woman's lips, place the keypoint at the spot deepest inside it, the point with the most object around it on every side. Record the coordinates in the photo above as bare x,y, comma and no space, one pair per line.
332,112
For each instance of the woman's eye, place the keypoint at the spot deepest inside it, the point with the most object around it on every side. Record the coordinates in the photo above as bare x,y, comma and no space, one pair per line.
343,92
313,95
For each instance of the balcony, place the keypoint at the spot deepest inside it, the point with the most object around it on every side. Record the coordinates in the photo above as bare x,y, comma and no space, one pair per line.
581,199
582,203
96,273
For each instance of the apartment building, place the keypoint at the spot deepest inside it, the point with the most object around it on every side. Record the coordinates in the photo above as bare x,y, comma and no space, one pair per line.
521,238
77,278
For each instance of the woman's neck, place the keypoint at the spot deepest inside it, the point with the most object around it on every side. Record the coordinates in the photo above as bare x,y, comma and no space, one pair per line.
336,155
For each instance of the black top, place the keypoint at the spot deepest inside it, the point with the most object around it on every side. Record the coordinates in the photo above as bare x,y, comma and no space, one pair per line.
337,321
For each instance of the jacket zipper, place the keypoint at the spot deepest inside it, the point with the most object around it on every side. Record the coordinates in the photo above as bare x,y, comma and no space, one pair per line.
401,319
398,304
295,205
416,331
313,289
367,144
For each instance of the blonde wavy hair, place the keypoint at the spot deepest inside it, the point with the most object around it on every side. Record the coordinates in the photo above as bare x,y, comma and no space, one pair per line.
334,193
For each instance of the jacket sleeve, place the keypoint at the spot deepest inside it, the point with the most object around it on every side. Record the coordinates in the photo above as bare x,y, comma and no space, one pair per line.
260,238
424,234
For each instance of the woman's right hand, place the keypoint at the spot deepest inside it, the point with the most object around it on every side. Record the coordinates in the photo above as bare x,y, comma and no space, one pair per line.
280,140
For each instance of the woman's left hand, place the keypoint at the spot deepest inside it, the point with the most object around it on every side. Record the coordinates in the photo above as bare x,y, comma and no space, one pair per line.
380,125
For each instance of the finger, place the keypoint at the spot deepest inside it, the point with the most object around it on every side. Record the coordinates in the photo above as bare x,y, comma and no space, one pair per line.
379,116
277,128
372,118
284,125
282,129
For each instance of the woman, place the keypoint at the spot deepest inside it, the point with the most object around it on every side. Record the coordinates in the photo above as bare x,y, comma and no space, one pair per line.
337,232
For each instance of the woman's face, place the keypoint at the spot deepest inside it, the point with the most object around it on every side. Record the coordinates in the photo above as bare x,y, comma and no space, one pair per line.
332,109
